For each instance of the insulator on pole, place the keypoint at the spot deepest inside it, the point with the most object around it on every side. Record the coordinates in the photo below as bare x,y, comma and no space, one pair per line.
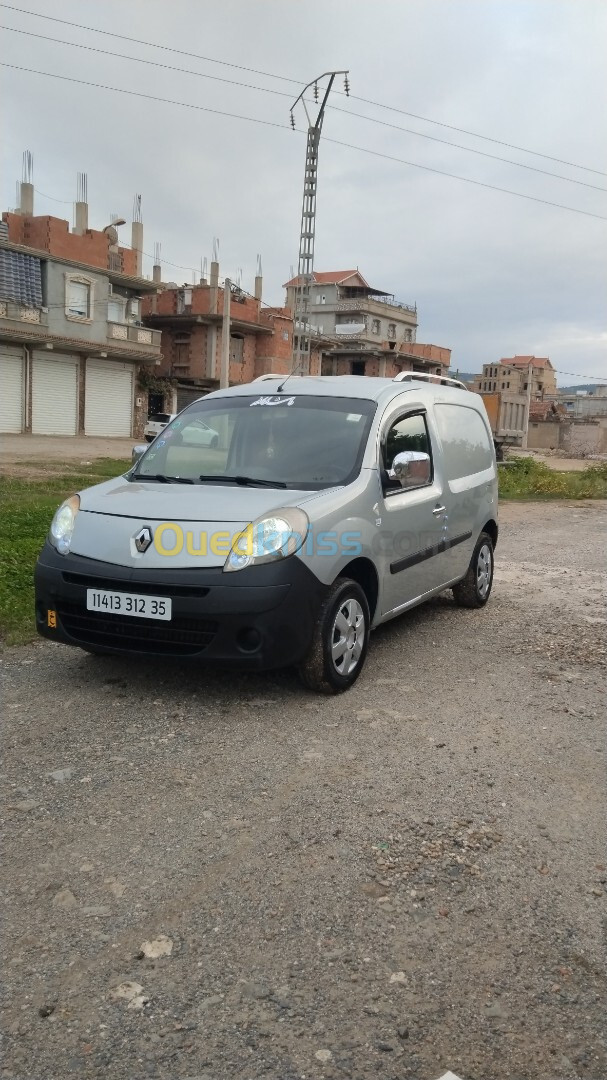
346,86
315,91
292,121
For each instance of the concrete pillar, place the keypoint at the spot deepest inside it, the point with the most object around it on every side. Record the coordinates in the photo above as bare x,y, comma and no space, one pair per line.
82,218
26,202
214,283
137,245
157,274
258,287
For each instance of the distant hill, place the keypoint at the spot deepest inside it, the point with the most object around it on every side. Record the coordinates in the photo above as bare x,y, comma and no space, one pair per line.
465,376
589,387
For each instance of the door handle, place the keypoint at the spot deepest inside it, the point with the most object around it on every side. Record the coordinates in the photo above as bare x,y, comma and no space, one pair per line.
439,510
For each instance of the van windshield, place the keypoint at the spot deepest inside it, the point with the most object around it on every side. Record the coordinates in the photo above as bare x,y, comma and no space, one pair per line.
295,442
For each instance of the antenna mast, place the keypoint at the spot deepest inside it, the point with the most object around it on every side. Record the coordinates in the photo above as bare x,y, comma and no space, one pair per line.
305,264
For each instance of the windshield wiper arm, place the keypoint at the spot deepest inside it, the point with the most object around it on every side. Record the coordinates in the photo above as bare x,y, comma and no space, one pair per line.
160,478
243,480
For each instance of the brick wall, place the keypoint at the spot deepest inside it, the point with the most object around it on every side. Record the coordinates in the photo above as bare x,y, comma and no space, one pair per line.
53,235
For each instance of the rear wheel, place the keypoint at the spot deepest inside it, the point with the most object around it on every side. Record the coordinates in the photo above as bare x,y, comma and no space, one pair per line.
474,590
149,438
214,442
340,640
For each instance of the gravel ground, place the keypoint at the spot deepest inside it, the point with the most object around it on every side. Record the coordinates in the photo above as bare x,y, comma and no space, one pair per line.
227,877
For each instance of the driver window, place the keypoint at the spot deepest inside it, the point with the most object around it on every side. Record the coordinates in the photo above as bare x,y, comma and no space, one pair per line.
407,433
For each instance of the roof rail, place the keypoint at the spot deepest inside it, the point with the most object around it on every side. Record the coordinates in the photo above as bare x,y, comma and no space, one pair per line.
408,376
269,375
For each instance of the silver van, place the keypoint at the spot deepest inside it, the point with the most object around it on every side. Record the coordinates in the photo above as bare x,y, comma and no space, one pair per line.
323,508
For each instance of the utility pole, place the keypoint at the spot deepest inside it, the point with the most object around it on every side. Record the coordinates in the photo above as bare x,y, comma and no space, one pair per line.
526,433
224,377
305,264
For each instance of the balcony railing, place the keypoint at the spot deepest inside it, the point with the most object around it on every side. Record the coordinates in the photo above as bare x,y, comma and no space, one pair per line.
367,304
22,313
137,335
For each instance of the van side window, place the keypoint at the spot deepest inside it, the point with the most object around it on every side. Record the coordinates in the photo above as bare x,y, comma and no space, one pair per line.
466,443
407,433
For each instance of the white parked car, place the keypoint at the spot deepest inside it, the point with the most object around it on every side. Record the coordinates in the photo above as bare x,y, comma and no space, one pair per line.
156,423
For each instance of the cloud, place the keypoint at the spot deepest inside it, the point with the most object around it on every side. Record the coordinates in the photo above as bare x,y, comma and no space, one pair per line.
492,274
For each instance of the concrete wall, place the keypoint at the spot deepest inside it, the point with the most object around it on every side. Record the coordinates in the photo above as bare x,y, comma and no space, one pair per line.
578,438
545,435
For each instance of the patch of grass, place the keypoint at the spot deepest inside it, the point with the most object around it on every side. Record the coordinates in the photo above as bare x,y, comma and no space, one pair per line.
28,507
526,478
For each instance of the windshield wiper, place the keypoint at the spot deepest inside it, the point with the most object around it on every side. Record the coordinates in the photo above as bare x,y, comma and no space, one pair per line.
242,480
160,478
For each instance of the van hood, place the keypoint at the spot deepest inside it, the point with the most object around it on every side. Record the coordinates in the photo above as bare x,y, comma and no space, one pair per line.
195,502
190,525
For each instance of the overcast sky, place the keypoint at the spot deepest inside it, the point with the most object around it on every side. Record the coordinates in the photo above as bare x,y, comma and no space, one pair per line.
492,274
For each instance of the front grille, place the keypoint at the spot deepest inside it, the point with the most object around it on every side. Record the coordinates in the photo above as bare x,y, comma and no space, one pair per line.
154,588
180,637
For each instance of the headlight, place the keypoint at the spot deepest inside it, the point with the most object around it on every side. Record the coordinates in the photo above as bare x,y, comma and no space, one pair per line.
62,525
273,537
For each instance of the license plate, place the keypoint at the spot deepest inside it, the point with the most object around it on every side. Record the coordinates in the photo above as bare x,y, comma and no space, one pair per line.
124,603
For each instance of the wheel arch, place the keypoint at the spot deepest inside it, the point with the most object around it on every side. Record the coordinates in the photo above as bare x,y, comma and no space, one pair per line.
363,572
492,529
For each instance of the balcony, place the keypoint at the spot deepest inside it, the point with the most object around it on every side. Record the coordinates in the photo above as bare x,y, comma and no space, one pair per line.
142,336
375,303
20,313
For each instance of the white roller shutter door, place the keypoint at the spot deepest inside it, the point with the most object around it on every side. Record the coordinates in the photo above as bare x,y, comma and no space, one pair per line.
54,395
11,392
108,403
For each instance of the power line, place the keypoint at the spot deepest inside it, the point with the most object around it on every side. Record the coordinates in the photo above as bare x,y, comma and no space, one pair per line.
284,78
282,93
274,124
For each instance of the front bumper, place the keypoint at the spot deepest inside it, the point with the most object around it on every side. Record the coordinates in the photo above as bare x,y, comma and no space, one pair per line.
259,618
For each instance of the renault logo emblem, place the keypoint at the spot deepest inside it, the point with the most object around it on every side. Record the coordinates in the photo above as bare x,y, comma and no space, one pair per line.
143,539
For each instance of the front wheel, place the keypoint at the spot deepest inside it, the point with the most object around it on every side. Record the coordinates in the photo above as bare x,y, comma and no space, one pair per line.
149,438
474,590
340,640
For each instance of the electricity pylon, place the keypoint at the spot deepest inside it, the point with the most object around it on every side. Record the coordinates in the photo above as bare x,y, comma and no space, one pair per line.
305,264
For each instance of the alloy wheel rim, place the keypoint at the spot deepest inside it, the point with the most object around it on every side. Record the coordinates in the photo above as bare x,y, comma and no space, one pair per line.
347,637
484,567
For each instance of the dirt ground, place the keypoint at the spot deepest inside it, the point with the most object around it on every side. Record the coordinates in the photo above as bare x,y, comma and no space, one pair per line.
221,877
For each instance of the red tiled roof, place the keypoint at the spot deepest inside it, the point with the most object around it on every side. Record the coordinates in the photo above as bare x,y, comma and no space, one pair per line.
330,277
544,410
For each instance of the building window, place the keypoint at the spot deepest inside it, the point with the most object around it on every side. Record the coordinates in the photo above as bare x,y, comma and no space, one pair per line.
391,330
285,335
116,309
524,386
503,386
358,367
317,301
78,298
375,326
408,334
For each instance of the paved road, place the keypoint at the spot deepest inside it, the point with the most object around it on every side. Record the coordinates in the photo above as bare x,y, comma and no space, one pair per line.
388,884
20,448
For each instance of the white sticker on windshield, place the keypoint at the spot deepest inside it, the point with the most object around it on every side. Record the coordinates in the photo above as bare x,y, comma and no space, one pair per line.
354,417
273,401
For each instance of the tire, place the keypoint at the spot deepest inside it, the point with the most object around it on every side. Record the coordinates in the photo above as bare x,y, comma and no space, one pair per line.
149,438
474,589
343,620
214,442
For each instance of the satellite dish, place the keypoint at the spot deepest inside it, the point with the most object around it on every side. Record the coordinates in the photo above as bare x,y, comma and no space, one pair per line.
111,234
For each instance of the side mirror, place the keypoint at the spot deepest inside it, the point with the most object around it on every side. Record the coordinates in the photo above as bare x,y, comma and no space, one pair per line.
411,468
138,452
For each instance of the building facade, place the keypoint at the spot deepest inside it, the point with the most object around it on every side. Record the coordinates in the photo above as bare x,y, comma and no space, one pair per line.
367,331
190,319
71,336
514,374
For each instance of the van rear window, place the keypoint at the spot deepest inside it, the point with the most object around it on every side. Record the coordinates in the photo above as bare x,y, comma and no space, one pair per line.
465,438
